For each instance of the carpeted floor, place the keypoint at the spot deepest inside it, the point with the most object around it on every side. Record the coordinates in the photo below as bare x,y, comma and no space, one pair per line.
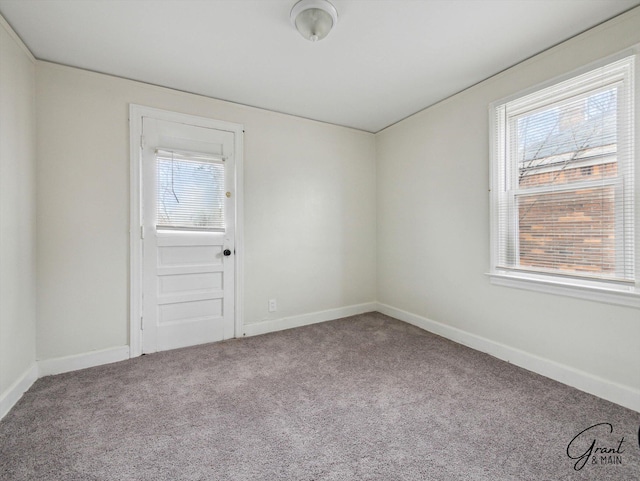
361,398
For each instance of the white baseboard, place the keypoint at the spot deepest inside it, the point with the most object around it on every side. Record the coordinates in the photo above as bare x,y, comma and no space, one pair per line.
617,393
614,392
12,395
265,327
59,365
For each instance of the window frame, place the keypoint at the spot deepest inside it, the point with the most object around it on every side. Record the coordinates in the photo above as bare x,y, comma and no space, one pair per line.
613,292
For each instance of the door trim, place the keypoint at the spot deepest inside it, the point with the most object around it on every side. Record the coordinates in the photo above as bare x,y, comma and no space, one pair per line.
136,113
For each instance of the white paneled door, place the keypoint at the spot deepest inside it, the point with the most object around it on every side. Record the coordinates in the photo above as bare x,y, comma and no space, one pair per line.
188,234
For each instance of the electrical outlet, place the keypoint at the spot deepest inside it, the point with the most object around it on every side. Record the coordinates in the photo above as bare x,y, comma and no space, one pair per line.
273,305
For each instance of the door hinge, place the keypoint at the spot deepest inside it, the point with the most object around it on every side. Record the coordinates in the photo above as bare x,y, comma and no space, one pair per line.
142,141
141,324
141,232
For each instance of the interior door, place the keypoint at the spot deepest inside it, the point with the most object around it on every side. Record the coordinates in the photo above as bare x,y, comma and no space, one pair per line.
188,235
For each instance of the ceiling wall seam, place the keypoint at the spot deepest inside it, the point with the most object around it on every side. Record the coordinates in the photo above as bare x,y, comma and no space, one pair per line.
604,25
171,89
16,38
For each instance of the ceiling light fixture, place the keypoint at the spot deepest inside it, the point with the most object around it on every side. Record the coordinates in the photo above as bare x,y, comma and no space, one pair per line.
314,19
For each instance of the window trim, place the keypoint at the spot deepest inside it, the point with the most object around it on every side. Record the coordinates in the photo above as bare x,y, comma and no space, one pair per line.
597,290
609,293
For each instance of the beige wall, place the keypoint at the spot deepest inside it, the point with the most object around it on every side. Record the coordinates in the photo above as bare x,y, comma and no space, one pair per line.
309,197
433,226
17,210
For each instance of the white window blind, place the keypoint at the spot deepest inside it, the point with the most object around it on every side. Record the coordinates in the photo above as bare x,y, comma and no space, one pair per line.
190,192
563,186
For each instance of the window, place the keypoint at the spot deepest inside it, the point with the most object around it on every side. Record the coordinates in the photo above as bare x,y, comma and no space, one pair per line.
563,186
190,191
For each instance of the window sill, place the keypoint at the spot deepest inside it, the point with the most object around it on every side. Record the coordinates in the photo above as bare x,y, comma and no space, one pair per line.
610,294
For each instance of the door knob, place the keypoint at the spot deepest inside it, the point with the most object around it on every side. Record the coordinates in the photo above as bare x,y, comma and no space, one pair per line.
226,252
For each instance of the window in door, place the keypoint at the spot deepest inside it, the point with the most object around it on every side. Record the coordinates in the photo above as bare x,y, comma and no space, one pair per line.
190,191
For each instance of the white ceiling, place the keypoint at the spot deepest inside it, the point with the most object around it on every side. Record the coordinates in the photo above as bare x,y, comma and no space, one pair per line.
385,60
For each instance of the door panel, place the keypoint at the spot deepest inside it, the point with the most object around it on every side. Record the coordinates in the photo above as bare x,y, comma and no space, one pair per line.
188,282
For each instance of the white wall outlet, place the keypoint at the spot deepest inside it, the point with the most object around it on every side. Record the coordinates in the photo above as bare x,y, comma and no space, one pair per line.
273,305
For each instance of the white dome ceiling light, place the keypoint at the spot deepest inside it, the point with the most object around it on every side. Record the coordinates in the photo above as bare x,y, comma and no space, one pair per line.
314,19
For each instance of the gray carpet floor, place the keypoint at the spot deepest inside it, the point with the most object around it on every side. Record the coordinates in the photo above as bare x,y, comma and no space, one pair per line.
361,398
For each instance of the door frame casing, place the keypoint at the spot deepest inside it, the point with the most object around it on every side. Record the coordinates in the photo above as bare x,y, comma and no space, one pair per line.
136,114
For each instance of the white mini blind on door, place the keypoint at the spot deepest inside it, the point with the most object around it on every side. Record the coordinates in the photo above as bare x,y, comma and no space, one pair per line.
190,191
564,177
